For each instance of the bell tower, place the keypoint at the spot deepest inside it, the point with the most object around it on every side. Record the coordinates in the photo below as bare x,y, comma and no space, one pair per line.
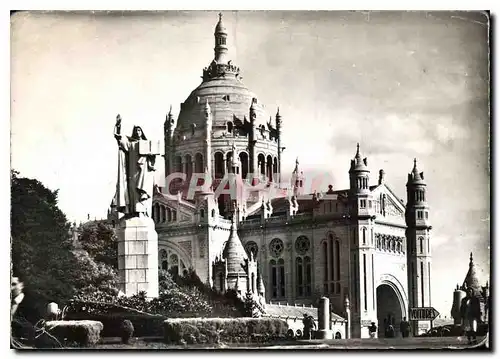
418,242
361,244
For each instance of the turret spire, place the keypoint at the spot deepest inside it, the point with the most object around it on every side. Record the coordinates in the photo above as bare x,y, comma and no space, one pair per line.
416,177
471,280
220,42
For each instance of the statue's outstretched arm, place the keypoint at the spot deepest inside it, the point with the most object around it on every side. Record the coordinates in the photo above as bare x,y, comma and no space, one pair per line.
123,142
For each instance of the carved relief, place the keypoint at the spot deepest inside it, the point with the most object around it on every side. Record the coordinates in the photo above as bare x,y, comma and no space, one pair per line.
392,210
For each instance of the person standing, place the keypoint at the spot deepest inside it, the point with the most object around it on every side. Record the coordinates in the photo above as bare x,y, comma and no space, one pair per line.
404,327
470,312
309,324
372,329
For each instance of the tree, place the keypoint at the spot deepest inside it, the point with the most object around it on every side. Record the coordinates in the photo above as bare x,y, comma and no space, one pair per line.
41,247
43,254
99,240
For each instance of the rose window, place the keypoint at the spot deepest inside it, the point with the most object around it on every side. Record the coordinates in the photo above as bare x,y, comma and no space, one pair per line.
276,247
302,245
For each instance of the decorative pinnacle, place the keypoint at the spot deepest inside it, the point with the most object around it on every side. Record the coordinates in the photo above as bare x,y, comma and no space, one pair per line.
357,150
220,16
170,111
470,263
278,112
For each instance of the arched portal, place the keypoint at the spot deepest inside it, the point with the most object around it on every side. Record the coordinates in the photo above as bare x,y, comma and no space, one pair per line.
390,308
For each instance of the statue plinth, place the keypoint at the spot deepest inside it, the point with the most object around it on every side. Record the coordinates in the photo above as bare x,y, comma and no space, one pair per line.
138,256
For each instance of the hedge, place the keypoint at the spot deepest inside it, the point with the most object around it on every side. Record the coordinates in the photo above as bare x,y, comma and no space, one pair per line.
227,330
71,332
144,325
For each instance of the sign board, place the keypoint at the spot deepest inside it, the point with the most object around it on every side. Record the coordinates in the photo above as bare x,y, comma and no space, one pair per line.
366,322
425,313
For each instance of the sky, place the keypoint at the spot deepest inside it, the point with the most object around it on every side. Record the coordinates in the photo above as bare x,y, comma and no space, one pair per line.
404,85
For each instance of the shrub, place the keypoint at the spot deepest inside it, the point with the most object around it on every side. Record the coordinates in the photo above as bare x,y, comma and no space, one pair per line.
144,325
215,330
81,333
127,329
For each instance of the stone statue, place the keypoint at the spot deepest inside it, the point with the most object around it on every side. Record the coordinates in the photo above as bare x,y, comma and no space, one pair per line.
136,166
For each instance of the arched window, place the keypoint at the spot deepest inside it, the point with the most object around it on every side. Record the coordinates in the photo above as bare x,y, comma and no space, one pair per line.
337,259
189,166
277,278
244,164
178,164
324,253
364,235
275,166
162,259
174,265
331,256
193,129
253,282
303,277
421,240
274,279
332,260
308,276
156,212
230,127
198,163
300,276
219,165
281,267
169,215
202,213
252,247
162,214
262,164
174,215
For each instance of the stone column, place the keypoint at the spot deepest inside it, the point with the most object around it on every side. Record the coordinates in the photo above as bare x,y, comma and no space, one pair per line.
324,331
348,318
138,256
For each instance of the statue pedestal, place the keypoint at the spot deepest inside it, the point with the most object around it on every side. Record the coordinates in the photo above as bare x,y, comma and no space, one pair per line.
138,256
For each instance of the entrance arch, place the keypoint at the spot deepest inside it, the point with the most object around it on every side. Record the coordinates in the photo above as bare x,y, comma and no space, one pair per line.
390,308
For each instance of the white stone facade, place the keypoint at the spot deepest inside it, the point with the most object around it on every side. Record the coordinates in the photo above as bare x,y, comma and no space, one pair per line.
356,243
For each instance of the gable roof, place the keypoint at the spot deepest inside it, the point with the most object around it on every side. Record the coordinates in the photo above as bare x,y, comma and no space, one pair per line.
296,312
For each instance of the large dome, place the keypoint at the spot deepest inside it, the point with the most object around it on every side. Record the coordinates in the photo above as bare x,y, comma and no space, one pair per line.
222,118
227,97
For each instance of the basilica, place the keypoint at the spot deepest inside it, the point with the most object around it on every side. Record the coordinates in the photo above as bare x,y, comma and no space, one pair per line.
282,244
